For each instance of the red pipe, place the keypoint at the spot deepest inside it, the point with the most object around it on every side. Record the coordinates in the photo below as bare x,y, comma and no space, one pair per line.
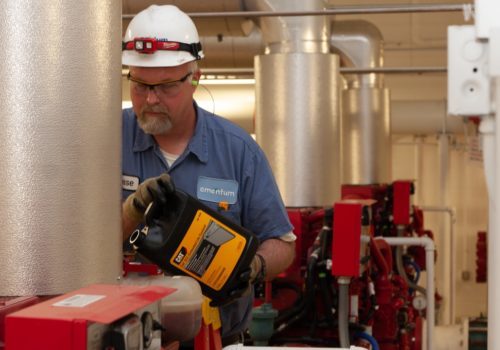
381,260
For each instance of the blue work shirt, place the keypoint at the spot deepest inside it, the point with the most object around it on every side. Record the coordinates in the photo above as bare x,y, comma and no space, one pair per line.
220,163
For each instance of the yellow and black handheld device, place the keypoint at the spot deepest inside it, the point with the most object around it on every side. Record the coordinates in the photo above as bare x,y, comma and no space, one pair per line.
189,238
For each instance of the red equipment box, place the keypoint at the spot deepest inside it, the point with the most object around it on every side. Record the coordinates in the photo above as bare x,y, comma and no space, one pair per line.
401,202
346,243
85,318
9,305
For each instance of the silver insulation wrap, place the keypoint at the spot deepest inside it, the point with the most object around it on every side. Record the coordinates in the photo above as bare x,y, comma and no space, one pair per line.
60,135
298,124
366,136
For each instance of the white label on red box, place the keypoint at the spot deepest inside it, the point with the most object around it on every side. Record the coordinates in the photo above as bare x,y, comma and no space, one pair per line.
79,300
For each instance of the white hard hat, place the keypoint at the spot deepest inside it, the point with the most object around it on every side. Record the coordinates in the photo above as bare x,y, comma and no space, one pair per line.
161,36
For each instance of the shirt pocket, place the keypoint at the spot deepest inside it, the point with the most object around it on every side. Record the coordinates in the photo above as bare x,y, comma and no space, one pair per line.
231,212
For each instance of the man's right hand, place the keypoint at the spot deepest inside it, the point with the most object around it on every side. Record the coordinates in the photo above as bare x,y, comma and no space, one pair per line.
152,189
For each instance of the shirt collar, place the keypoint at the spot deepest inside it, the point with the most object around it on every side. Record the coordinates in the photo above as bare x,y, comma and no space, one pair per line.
197,145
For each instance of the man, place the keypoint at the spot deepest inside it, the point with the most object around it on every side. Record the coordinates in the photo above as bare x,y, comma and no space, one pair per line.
167,133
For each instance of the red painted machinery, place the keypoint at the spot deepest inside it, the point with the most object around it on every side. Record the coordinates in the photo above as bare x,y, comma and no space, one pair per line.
95,317
347,285
147,311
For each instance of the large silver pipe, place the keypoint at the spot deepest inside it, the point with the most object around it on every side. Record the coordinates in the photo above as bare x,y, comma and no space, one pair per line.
60,140
366,137
297,103
298,125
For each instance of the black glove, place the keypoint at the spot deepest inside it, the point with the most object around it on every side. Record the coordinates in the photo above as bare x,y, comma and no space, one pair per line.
153,189
242,287
255,273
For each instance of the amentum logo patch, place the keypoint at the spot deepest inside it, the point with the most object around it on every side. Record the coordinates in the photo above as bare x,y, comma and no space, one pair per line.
217,190
180,256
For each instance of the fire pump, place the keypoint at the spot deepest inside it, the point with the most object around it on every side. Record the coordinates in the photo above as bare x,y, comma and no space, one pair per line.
355,279
351,283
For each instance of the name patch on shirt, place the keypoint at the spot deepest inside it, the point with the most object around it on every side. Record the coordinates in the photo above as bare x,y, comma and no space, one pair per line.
217,190
130,183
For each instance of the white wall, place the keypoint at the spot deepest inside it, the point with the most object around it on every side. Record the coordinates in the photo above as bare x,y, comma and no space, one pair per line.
464,190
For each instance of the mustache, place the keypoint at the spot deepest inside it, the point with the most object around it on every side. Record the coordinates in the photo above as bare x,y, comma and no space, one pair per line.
154,109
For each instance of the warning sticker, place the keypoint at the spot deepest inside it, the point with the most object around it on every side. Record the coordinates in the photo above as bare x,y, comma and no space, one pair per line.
209,251
79,300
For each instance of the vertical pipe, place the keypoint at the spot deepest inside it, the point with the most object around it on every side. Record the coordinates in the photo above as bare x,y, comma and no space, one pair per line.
343,314
494,231
60,140
366,134
430,288
450,311
489,130
447,246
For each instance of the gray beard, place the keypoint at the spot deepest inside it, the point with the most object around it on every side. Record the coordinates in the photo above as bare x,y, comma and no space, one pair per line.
154,126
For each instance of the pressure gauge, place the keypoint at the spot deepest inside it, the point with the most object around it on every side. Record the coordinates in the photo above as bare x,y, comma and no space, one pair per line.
419,302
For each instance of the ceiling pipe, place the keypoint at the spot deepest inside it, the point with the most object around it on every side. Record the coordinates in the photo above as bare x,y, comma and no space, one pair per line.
337,10
360,45
231,51
249,71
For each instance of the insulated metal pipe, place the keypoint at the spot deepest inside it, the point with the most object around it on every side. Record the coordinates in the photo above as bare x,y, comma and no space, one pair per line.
366,122
297,120
60,139
298,125
366,136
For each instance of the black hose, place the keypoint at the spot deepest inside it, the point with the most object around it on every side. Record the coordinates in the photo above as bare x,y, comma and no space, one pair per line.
327,299
308,299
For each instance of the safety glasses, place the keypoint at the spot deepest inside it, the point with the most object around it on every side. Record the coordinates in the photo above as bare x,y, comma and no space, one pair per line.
167,88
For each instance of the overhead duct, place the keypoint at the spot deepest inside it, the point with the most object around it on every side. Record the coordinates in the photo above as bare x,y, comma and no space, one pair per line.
297,103
423,118
60,134
366,137
207,26
231,51
237,103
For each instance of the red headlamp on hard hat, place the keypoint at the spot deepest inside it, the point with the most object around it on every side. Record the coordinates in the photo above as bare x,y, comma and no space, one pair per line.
151,45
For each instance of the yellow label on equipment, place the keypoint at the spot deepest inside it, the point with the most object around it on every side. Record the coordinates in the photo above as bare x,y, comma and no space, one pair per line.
209,251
